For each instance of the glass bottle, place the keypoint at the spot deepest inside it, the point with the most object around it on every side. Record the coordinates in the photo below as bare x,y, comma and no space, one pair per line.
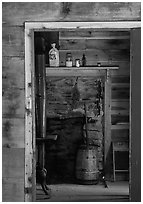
69,60
54,56
83,60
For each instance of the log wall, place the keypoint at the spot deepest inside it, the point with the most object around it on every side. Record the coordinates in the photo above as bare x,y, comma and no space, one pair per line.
14,14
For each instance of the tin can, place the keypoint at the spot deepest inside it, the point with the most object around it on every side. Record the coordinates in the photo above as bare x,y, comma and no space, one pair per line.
77,62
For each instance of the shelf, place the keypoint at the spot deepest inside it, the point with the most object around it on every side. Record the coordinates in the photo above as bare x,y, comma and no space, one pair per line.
119,126
86,67
121,84
120,146
119,112
120,100
79,71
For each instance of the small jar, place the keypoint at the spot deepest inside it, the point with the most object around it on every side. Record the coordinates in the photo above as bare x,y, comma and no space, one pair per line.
99,64
68,60
77,62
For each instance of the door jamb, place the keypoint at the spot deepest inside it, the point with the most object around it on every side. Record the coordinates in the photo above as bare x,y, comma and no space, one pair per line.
30,171
30,27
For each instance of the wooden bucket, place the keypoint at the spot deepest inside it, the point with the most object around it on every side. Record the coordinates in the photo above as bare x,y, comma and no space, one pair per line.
87,165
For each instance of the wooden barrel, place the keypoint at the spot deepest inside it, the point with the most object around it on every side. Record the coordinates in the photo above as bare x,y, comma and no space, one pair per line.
87,171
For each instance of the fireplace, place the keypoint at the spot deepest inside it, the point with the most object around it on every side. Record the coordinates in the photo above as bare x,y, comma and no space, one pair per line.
66,99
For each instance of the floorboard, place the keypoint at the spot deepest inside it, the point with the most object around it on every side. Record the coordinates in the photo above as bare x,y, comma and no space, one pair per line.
116,192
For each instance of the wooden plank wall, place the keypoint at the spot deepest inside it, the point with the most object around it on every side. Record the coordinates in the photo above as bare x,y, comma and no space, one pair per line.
17,13
13,113
108,48
14,14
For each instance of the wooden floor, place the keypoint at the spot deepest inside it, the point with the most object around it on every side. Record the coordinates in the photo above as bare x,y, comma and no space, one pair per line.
116,192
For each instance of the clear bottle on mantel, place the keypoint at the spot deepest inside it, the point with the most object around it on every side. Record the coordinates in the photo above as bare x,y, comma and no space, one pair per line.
83,60
54,56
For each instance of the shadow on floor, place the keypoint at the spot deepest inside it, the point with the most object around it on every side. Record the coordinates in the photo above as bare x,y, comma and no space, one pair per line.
116,192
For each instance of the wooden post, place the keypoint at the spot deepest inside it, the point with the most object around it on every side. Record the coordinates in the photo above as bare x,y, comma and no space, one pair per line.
107,116
41,105
30,179
135,117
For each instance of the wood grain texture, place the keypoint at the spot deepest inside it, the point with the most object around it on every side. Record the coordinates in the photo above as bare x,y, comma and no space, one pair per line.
120,105
13,103
120,134
13,174
120,80
72,44
16,13
106,51
91,34
13,189
87,44
13,41
12,72
102,11
120,112
13,163
118,118
13,87
95,50
124,69
66,72
120,92
96,55
72,25
13,132
29,129
110,44
120,127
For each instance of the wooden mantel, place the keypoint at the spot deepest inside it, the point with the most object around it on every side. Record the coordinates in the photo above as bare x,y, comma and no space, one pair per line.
79,71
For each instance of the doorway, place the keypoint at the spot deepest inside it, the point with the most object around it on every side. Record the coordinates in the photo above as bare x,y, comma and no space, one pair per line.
114,90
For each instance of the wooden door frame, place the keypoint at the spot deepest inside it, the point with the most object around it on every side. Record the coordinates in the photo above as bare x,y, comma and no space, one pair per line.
30,28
